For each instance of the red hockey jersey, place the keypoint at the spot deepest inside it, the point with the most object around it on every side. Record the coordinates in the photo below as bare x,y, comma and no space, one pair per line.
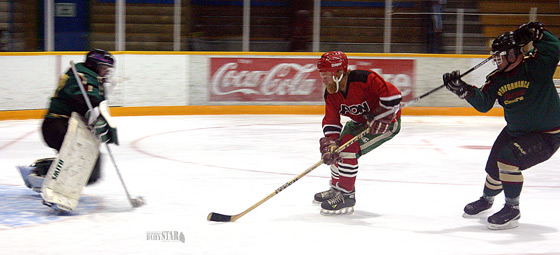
365,91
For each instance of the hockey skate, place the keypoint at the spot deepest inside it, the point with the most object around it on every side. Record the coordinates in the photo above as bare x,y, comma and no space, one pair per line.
324,196
340,203
57,207
25,171
506,218
34,175
477,206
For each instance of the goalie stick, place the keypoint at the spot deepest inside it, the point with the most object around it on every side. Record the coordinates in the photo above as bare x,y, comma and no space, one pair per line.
213,216
134,202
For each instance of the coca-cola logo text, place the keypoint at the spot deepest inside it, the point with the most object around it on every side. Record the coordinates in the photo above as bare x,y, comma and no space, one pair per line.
281,79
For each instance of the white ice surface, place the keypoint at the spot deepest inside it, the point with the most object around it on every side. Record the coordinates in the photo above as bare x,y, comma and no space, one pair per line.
410,192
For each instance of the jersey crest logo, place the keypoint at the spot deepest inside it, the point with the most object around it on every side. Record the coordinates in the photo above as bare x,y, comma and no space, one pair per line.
357,109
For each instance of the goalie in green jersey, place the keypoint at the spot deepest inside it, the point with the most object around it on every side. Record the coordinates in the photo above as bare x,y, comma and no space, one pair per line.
68,98
523,86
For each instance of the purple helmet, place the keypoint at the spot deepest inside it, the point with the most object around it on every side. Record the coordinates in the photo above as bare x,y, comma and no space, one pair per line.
98,57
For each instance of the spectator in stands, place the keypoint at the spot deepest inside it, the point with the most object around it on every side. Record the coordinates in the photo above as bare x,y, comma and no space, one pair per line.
300,36
300,25
434,25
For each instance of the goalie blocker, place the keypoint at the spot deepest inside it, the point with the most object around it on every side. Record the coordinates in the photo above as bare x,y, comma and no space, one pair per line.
71,169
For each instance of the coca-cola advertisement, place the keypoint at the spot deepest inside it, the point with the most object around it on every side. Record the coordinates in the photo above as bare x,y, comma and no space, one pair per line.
291,79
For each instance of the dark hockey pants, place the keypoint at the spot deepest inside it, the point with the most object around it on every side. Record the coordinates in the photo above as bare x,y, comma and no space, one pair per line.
518,152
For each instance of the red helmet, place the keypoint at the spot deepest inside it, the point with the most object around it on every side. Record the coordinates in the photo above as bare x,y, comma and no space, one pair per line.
333,61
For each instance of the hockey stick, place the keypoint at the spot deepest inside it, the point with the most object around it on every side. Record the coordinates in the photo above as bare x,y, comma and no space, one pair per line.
134,202
414,100
231,218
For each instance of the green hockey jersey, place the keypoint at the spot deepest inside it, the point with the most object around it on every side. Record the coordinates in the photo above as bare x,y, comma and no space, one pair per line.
527,93
68,97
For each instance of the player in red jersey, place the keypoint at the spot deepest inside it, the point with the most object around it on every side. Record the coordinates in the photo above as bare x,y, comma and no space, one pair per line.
360,95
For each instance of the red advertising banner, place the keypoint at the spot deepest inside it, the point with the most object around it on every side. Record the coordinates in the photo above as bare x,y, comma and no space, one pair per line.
291,79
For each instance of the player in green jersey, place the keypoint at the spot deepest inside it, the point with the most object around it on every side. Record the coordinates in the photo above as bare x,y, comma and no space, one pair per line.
523,86
68,98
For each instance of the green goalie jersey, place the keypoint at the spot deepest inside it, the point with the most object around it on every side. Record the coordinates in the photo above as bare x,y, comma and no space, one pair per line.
68,97
527,93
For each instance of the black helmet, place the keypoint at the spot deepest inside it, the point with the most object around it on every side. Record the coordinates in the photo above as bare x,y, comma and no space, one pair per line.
505,42
98,57
505,45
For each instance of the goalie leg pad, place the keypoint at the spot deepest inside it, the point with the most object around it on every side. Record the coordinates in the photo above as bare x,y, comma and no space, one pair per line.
72,167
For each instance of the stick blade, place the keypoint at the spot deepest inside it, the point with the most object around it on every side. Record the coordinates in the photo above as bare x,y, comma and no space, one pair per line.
137,202
219,217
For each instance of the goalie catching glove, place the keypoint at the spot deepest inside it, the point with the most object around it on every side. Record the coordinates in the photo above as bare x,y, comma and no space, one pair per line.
100,123
328,148
382,124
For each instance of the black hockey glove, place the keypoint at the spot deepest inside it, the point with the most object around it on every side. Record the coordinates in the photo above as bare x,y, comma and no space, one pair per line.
454,84
528,32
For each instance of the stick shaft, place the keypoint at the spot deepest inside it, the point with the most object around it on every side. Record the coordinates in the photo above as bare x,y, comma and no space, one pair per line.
90,107
79,81
280,189
443,85
119,174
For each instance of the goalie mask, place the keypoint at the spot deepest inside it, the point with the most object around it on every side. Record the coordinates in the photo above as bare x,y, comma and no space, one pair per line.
504,46
101,62
333,62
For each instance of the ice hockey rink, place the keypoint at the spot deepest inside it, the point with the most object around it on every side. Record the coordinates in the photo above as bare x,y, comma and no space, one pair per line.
410,192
